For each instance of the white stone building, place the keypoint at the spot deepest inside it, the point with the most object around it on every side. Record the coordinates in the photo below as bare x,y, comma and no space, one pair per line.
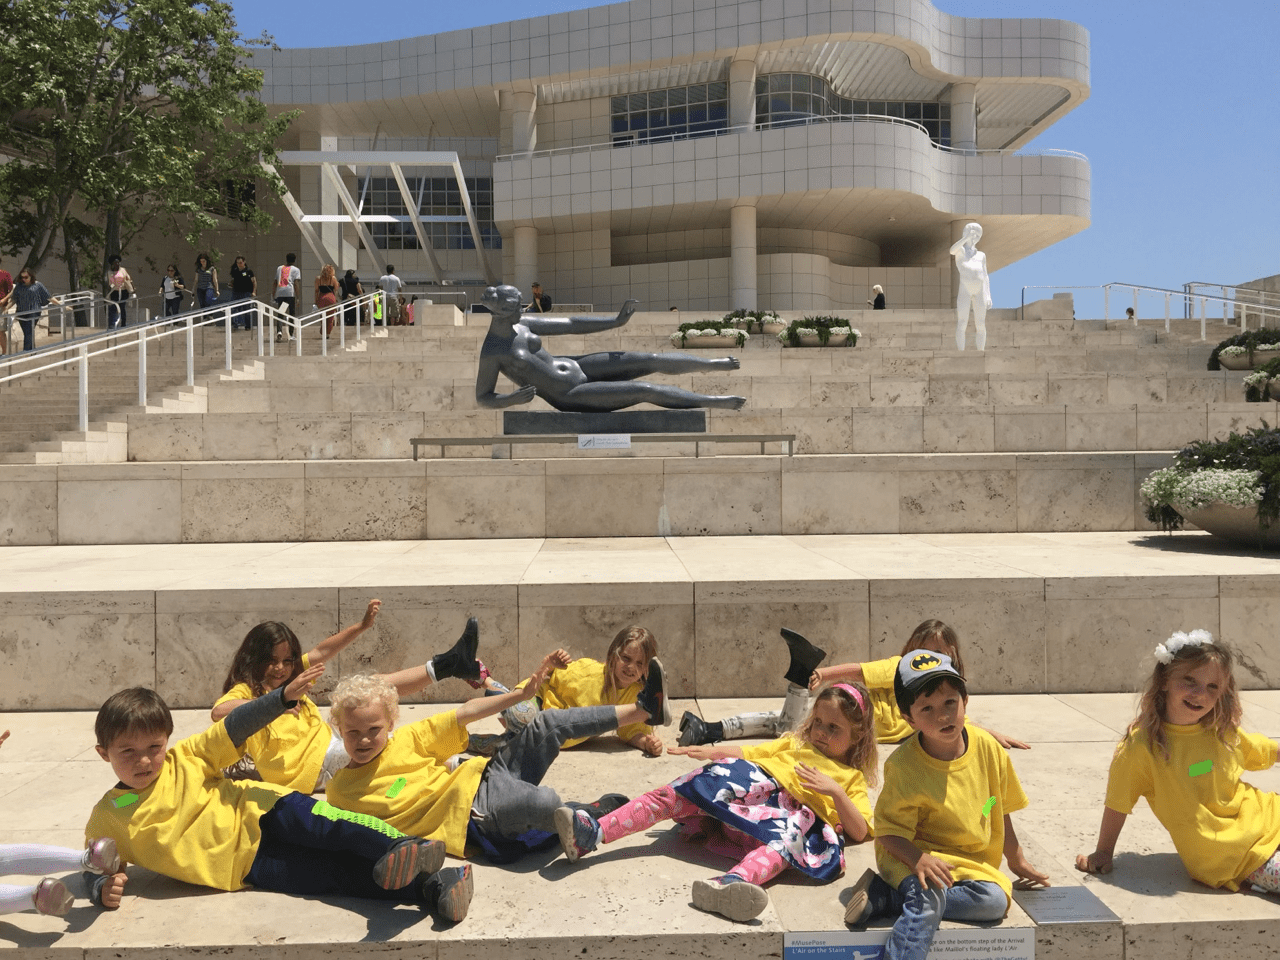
691,153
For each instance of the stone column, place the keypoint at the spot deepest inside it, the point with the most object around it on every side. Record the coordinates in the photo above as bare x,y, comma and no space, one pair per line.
742,93
518,124
524,258
964,116
742,257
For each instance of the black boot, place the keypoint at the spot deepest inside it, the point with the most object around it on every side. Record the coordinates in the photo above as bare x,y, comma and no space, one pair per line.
460,659
653,698
805,658
696,732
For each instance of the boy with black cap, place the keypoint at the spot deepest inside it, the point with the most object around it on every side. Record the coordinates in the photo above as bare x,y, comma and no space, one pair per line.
942,820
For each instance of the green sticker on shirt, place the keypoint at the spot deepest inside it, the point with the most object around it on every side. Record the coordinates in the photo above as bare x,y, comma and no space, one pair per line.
987,807
397,787
125,800
1201,768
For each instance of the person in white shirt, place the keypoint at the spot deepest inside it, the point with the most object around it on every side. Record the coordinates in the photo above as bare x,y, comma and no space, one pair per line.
287,276
393,310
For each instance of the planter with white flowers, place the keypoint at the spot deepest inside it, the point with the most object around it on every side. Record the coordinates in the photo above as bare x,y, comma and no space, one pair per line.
1230,488
709,333
819,332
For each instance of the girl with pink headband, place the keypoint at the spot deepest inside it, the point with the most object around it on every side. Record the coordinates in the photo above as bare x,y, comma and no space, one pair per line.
790,803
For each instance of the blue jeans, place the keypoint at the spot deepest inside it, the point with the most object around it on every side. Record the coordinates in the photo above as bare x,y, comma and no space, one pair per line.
243,312
924,908
311,849
510,800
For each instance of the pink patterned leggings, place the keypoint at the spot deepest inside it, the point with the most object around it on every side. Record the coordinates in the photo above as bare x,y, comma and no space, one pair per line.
757,863
1267,876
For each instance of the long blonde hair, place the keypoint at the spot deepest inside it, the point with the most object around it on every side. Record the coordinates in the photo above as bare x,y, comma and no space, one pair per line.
627,635
327,277
1223,719
862,752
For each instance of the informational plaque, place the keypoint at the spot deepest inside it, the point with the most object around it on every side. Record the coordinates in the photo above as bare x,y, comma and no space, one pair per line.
985,943
1064,905
604,441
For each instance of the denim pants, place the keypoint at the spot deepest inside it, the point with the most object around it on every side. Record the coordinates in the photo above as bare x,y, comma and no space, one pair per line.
117,308
510,800
311,849
924,908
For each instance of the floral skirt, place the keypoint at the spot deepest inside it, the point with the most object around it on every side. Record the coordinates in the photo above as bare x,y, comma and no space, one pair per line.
739,794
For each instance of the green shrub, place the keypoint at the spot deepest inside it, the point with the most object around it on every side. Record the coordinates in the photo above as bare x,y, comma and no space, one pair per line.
752,320
822,326
1256,451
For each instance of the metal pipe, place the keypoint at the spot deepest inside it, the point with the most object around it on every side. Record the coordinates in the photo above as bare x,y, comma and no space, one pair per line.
142,366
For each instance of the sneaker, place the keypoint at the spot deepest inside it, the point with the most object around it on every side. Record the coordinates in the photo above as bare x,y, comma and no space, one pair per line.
279,337
693,731
102,856
402,864
653,698
606,804
870,898
579,832
730,896
52,898
451,889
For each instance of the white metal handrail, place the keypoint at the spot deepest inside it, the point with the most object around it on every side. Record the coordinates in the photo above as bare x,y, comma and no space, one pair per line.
797,122
1191,300
80,351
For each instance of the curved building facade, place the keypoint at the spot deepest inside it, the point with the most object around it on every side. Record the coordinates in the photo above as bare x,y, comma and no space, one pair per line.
691,153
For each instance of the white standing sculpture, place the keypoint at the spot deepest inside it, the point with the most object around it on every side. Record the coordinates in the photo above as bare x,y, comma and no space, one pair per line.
975,286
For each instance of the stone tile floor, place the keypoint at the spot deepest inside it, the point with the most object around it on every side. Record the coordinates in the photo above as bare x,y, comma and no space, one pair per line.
631,899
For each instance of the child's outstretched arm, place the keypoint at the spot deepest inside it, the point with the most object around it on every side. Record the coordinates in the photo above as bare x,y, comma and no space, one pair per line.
852,822
1017,860
250,717
330,647
481,707
107,891
835,672
929,870
1100,860
708,752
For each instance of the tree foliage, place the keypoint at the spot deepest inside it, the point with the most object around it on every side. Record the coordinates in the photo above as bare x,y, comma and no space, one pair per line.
116,114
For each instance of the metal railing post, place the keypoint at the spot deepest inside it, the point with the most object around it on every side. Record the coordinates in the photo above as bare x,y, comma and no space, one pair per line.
342,328
1202,331
191,352
1106,303
83,391
142,366
324,335
262,315
1166,313
1135,306
226,327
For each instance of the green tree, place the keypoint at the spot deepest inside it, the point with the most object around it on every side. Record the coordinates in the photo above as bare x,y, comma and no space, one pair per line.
116,115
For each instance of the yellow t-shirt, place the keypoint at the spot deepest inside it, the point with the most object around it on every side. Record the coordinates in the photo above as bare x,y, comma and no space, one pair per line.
779,758
581,684
190,823
877,677
953,809
409,787
1222,827
290,750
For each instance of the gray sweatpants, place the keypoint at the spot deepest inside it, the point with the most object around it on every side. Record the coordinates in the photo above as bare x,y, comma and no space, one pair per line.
511,800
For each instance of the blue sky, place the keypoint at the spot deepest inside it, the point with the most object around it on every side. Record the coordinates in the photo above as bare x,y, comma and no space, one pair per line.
1181,127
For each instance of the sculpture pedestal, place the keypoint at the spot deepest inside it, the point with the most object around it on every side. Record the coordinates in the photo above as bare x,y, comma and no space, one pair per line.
542,422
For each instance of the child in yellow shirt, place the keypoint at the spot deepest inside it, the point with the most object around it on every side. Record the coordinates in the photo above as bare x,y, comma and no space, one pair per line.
298,750
405,780
1185,753
589,683
773,807
174,813
942,820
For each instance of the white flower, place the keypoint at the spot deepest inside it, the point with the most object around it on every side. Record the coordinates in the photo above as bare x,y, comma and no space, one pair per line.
1233,351
1191,490
1165,652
